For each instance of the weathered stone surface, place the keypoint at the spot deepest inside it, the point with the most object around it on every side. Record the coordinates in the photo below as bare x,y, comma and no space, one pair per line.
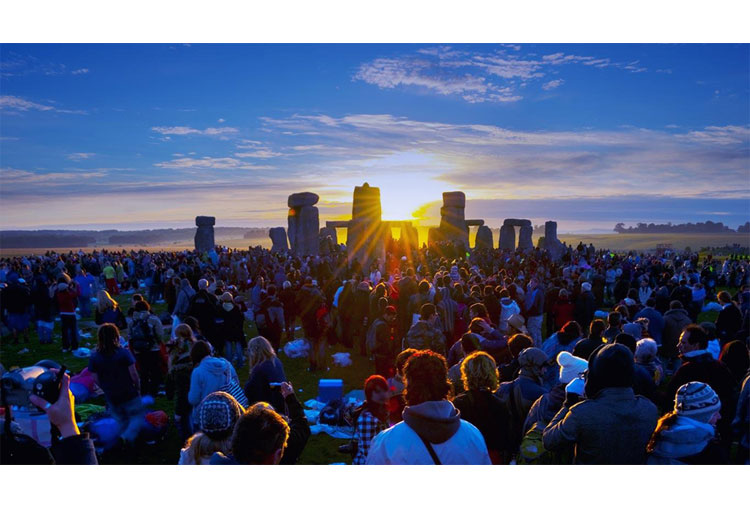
474,222
507,237
308,227
409,237
484,238
302,199
366,203
291,230
434,235
204,234
517,222
454,200
278,239
525,240
203,220
551,242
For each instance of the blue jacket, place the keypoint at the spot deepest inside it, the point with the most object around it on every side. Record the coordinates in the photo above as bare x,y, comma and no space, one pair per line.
655,322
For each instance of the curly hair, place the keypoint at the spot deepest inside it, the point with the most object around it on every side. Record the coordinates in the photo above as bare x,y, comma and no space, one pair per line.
426,378
258,434
479,371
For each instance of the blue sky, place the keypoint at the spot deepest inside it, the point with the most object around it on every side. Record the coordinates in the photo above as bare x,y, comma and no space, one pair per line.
136,135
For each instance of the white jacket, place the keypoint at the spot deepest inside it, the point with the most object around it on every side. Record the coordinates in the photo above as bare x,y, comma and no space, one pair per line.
400,445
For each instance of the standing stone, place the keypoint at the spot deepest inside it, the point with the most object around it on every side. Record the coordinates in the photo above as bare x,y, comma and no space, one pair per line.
303,223
507,237
453,219
366,234
525,241
204,235
484,238
329,232
409,237
434,236
551,242
327,239
278,239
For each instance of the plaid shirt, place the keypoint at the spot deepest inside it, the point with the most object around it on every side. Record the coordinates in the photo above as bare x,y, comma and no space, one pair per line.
367,427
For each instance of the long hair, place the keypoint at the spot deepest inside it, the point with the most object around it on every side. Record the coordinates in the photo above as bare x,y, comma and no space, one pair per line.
109,339
665,422
372,383
479,371
258,350
105,302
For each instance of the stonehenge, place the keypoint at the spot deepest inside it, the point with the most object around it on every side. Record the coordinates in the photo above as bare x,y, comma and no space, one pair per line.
452,218
303,223
278,239
484,238
551,243
508,234
204,235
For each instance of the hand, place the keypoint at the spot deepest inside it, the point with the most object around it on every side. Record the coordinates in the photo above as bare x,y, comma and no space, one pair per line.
576,386
286,389
62,412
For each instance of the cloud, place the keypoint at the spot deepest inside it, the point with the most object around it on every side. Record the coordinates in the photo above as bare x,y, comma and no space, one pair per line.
80,71
14,64
261,153
551,85
13,103
187,131
730,134
488,76
221,120
207,163
79,156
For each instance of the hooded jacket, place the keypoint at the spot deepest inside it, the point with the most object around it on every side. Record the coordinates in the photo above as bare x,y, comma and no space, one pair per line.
456,442
508,308
612,425
674,322
423,335
687,441
209,376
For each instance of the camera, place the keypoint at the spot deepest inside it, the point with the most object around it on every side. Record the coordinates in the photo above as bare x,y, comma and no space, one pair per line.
39,380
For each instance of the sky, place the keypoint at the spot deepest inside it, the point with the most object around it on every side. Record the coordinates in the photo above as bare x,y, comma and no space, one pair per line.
133,136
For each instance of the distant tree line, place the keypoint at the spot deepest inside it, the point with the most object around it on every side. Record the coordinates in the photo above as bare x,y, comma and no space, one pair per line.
700,227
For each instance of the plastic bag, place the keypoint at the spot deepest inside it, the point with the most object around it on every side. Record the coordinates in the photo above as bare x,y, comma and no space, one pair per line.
342,359
297,348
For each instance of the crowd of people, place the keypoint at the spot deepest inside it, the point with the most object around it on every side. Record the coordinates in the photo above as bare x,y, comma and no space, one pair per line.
475,357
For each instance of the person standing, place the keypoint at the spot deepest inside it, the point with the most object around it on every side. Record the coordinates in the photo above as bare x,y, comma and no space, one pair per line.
66,296
533,310
145,336
371,417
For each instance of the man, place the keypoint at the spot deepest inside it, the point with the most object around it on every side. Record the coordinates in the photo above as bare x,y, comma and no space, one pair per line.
655,320
611,425
432,431
145,336
425,333
614,326
729,319
700,366
86,284
17,301
407,287
585,306
675,320
204,307
533,310
683,294
382,349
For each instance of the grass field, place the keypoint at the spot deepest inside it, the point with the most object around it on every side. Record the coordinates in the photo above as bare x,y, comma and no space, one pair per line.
613,241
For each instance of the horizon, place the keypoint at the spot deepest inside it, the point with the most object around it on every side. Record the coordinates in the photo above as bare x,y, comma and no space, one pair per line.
134,136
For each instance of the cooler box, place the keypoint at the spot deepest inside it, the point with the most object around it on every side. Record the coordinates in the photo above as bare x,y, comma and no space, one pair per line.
330,389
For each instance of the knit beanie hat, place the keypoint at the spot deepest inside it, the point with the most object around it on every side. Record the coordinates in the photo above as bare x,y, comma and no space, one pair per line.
570,366
531,361
696,400
217,415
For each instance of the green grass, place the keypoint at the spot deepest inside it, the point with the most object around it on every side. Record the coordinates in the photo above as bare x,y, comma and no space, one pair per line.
320,449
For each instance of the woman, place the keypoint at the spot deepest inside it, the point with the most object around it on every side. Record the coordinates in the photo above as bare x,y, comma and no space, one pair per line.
563,309
178,377
481,408
216,416
371,416
686,436
113,370
210,374
182,304
108,311
265,369
565,339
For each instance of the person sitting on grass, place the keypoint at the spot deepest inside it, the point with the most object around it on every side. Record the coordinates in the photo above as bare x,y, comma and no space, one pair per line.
216,416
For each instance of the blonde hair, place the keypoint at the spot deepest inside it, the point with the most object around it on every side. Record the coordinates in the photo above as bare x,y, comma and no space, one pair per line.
479,371
185,333
200,448
258,350
105,302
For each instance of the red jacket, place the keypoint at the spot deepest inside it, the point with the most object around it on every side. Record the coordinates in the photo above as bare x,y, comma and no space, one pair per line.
66,301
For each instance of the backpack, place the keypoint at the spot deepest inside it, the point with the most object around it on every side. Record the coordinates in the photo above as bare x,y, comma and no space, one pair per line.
142,336
372,336
532,451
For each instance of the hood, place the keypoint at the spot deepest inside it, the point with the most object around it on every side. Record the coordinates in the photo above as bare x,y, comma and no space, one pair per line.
507,301
141,315
686,437
215,365
436,421
422,326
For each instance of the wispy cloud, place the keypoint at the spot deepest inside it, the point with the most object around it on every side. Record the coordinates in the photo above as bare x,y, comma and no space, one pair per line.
491,76
189,131
207,163
79,156
80,71
13,103
14,64
551,85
